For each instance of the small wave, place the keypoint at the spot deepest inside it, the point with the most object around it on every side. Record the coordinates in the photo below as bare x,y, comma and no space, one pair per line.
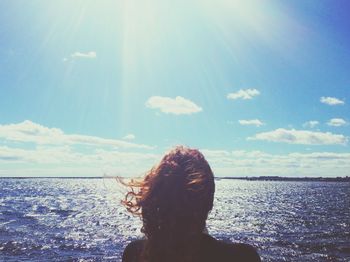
62,212
18,248
7,222
73,247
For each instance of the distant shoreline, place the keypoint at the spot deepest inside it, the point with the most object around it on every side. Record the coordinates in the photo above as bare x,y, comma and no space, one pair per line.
278,178
256,178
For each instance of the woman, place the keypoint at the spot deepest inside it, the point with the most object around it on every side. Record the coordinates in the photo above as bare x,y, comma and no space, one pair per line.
174,200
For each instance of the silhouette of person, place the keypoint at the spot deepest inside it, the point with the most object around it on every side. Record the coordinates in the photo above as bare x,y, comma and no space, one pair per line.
174,200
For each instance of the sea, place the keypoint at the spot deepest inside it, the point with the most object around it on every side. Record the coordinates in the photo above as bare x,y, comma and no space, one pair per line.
56,219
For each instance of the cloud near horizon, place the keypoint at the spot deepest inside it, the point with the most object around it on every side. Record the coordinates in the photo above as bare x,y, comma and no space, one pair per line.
58,154
258,163
67,161
28,131
31,149
245,94
177,106
302,137
70,161
332,101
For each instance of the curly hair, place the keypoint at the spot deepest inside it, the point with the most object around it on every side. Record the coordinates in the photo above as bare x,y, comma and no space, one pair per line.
173,200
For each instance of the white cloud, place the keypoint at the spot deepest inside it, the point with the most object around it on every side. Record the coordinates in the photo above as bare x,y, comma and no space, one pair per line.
254,122
28,149
331,101
68,161
336,122
91,54
47,158
72,162
177,105
28,131
41,155
215,153
56,153
129,137
258,163
303,137
80,55
311,123
243,94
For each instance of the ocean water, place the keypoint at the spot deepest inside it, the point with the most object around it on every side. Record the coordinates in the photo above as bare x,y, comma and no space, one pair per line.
82,219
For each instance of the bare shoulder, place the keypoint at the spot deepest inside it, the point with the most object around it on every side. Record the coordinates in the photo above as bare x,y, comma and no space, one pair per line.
133,250
245,252
228,251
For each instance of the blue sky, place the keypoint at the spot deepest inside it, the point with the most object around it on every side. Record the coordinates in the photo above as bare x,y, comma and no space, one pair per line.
106,87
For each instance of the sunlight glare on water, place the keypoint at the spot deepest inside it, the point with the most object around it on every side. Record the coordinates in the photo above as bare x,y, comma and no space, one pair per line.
83,219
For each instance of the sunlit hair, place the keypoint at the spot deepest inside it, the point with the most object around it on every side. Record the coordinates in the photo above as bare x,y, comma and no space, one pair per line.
173,199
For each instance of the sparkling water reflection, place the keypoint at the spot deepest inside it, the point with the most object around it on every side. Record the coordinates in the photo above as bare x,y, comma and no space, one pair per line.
82,219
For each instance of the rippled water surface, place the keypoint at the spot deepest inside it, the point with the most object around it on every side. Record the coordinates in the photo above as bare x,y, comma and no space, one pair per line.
82,220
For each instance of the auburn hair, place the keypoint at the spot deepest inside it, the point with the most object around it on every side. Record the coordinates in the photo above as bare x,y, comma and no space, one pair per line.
173,200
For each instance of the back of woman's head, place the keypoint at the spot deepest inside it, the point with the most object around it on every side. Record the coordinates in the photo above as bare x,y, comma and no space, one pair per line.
174,200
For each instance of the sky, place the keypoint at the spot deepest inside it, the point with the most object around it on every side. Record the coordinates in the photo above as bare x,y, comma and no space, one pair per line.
94,88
